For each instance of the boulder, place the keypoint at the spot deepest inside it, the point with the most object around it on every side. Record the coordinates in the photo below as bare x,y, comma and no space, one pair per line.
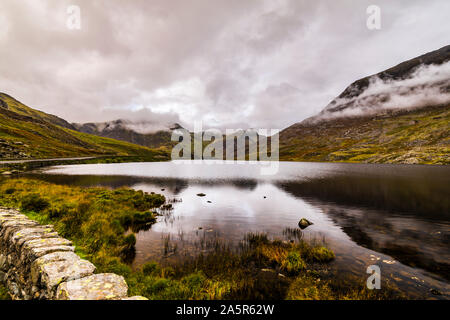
304,223
52,269
105,286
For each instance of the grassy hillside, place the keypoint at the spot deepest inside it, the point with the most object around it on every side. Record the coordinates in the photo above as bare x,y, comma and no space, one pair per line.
8,102
28,133
418,136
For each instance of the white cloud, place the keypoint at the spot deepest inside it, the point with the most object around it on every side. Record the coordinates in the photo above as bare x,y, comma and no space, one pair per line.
426,86
220,61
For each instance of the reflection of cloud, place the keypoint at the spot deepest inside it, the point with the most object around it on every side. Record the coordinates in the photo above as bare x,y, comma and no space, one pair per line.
426,86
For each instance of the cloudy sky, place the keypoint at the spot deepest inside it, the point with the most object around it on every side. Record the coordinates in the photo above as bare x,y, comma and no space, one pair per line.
230,63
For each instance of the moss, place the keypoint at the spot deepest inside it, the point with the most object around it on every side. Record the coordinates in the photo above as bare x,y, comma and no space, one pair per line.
4,295
293,263
151,268
321,254
33,202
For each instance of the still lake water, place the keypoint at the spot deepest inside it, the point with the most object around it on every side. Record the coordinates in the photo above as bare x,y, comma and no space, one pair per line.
394,216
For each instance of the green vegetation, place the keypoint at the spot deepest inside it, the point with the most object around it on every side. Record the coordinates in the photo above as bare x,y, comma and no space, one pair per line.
26,133
95,219
101,223
4,295
414,137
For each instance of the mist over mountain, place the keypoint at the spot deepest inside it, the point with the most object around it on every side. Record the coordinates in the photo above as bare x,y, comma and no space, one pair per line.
419,82
27,133
400,115
143,132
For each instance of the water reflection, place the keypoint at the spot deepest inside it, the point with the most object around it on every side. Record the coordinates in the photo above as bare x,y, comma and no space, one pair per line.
394,216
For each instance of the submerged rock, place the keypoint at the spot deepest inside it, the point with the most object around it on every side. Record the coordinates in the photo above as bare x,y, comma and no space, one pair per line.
435,292
304,223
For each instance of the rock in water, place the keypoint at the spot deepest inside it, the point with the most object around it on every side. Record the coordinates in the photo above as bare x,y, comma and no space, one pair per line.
304,223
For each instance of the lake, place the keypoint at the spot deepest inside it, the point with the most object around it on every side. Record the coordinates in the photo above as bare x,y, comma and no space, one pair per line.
394,216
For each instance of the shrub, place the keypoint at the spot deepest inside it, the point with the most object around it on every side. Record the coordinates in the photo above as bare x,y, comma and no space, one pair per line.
58,210
151,268
33,202
10,191
194,281
321,254
143,217
293,263
130,241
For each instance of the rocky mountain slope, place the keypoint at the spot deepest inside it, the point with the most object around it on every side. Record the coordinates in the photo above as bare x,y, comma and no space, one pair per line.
143,133
29,133
419,82
401,115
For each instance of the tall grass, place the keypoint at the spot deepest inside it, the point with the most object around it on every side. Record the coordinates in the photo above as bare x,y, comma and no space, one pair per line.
101,222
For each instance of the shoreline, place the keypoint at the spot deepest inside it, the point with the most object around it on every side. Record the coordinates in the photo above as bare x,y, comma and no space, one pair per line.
290,267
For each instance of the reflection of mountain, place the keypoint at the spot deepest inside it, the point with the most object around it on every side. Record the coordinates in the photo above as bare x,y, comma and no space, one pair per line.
246,184
422,195
404,217
173,185
412,241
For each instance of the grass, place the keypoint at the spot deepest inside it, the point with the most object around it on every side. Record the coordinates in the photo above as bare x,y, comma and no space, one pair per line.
102,222
4,295
96,219
412,137
26,133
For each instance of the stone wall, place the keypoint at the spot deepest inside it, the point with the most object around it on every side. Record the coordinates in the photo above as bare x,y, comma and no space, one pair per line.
36,263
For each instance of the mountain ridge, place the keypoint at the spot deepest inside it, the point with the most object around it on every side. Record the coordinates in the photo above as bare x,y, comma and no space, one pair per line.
414,134
145,133
27,133
401,80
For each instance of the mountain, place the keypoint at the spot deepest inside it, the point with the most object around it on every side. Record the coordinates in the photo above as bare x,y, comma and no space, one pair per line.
10,104
144,133
400,115
29,133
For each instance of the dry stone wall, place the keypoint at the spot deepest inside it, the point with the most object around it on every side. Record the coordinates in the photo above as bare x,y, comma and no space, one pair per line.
36,263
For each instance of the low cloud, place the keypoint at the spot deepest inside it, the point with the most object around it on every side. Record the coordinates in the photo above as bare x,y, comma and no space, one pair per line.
142,121
228,63
426,86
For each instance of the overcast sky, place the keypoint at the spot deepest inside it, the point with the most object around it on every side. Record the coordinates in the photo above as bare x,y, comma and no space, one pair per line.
230,63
